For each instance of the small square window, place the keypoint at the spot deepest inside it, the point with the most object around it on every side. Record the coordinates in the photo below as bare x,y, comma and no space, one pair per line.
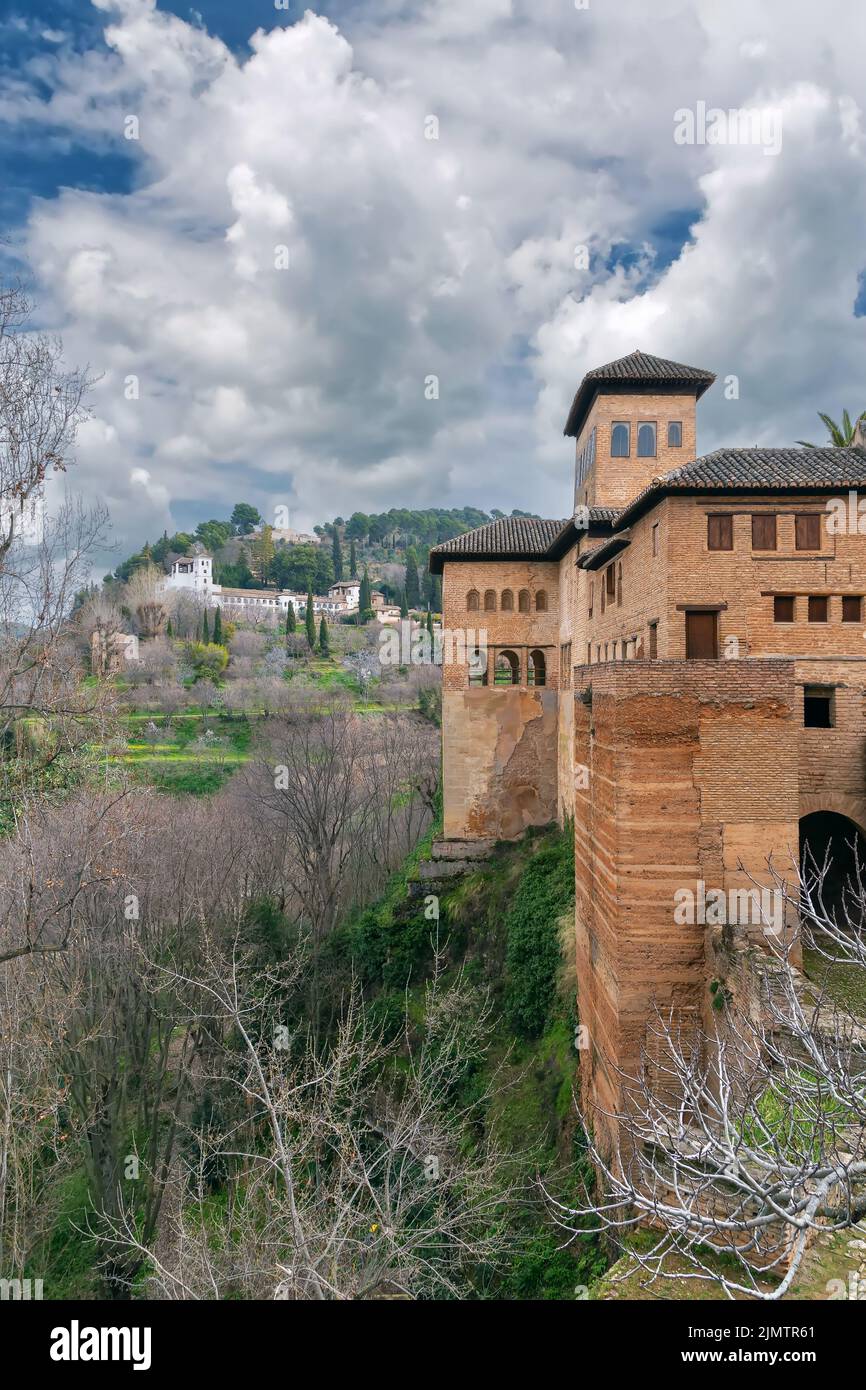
819,707
852,606
808,531
675,434
720,532
817,608
764,531
783,608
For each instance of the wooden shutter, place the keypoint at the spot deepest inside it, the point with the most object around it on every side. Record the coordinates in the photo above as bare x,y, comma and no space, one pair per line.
808,531
851,607
701,636
720,533
764,531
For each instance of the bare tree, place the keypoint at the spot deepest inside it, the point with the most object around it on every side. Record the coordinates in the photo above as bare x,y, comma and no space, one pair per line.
341,1186
747,1139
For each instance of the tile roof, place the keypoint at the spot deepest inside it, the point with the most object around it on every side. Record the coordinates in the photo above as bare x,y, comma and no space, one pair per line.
772,470
637,369
520,537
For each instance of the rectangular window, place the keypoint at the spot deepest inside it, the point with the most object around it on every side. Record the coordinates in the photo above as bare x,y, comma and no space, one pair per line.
720,532
764,531
783,608
653,641
589,653
852,605
646,439
619,586
817,608
808,531
819,707
610,580
655,538
591,596
675,434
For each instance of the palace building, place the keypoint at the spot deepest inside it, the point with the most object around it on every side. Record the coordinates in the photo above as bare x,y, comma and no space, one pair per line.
679,668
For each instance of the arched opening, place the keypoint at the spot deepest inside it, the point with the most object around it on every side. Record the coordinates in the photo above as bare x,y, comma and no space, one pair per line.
507,669
541,601
489,600
537,673
507,603
833,850
473,600
523,601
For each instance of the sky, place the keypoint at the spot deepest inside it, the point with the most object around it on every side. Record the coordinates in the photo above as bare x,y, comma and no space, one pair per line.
361,257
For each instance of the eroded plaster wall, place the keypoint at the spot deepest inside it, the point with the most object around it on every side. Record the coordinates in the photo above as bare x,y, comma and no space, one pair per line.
500,761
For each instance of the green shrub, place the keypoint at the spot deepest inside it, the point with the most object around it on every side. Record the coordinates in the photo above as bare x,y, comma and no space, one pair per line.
545,892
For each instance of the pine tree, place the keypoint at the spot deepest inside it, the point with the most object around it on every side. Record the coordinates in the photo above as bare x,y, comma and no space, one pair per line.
291,620
311,622
323,636
413,586
404,607
205,627
353,560
218,626
337,552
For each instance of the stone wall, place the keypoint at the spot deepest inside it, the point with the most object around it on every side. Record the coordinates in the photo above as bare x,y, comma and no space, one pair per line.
500,761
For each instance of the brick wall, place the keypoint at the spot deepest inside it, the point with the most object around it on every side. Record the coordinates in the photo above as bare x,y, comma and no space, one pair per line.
613,482
693,777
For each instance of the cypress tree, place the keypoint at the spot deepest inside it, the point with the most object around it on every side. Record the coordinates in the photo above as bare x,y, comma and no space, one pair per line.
365,597
323,636
205,628
430,622
218,626
291,621
311,622
404,607
413,586
353,560
337,552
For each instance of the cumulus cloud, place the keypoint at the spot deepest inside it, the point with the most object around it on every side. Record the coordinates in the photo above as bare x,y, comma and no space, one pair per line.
297,258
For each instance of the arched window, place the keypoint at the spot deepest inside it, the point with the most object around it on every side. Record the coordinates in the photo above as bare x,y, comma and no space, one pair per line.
507,601
646,440
541,601
537,671
489,600
523,600
477,667
619,441
472,600
507,669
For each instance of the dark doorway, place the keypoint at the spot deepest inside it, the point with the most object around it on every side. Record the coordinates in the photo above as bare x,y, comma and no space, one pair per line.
834,840
701,642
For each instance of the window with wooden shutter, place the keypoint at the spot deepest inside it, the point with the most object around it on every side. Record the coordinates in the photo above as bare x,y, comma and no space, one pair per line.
653,641
852,606
817,608
783,608
720,532
764,531
808,531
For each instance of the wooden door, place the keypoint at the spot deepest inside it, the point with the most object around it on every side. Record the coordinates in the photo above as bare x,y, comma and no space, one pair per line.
701,644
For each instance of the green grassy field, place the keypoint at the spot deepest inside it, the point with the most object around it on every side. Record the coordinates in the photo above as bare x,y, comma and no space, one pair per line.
190,754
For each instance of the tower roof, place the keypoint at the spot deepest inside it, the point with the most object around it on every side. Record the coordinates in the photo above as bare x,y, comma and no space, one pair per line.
639,371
